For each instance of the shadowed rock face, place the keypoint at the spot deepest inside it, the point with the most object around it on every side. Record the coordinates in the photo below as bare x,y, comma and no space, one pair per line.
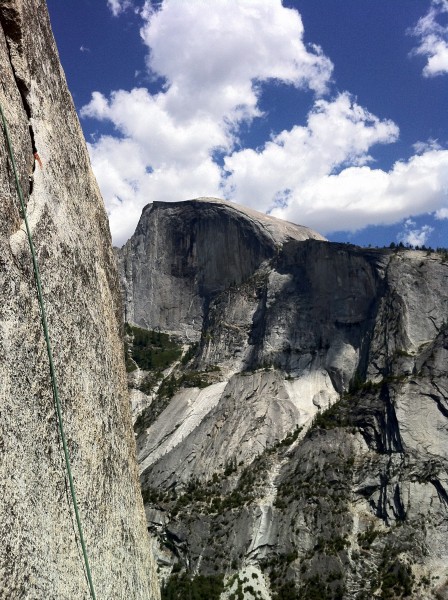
39,553
184,253
348,344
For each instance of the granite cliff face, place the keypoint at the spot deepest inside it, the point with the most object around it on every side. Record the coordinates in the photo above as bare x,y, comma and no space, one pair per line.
183,253
39,552
297,447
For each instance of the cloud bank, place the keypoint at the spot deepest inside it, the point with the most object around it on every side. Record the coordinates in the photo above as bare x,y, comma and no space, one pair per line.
433,39
212,60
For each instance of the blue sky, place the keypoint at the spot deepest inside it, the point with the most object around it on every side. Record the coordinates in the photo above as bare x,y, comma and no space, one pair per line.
328,113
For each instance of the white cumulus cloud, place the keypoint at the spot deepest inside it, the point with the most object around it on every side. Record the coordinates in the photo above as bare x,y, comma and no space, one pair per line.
301,160
415,236
442,213
357,196
212,54
430,144
211,60
433,39
213,57
119,6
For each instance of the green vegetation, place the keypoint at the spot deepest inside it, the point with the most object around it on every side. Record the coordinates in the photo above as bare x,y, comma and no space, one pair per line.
243,588
150,381
319,588
400,246
151,349
340,413
332,417
129,362
154,351
230,467
201,587
190,353
316,587
290,438
276,567
286,591
169,386
208,496
395,577
366,539
397,582
189,379
327,508
332,545
443,254
359,385
238,594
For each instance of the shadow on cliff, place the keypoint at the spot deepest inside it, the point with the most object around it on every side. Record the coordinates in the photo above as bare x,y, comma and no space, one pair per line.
321,298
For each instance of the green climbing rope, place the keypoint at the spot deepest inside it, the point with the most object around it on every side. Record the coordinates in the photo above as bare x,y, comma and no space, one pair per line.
54,383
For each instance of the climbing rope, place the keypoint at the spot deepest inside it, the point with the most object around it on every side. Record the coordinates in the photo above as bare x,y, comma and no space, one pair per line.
54,383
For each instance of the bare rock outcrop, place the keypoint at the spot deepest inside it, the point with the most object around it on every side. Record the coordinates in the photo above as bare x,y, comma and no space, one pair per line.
183,253
298,447
39,552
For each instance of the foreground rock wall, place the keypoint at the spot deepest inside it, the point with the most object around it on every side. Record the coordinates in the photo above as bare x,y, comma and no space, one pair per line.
40,554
